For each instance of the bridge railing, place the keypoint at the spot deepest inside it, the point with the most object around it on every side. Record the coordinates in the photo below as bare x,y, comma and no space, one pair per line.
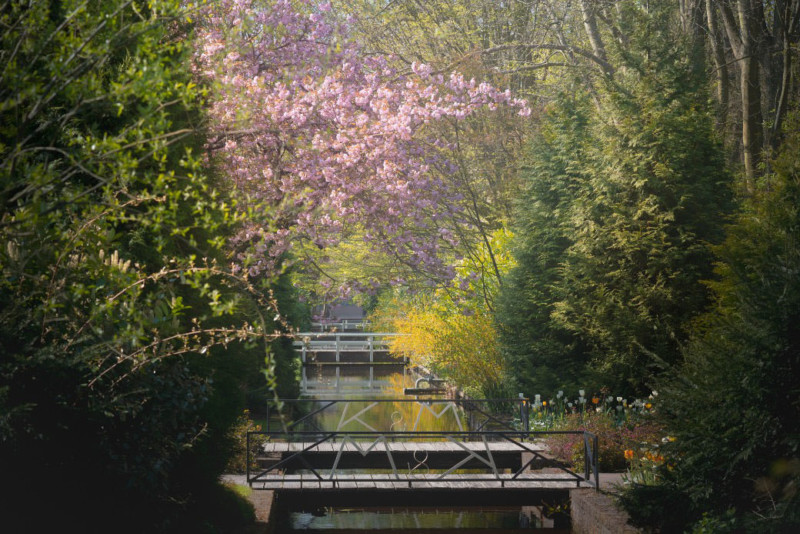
351,325
452,460
401,414
342,350
343,341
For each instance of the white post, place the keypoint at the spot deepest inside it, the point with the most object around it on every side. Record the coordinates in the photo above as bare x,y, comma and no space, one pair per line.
303,377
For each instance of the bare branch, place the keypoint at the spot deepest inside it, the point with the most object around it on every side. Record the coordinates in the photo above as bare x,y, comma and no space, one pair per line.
606,66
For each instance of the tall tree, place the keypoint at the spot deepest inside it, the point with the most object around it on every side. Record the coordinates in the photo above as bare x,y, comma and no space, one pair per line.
735,460
334,139
639,200
761,37
543,355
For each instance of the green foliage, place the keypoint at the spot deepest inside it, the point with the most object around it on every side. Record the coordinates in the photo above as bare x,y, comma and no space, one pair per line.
656,508
734,405
122,338
237,461
654,197
544,356
448,331
625,191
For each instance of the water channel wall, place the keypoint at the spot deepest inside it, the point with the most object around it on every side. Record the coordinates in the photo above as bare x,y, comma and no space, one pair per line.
594,512
591,512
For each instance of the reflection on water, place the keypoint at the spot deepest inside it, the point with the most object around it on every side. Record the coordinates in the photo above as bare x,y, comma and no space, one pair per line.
413,518
377,412
337,381
399,416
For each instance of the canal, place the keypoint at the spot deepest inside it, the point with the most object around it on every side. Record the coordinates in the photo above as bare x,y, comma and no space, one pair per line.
351,383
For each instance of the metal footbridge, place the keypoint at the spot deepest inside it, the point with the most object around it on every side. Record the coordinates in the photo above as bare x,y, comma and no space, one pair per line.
350,454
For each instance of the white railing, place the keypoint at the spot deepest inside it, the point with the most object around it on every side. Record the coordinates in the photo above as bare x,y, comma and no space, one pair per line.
342,325
342,345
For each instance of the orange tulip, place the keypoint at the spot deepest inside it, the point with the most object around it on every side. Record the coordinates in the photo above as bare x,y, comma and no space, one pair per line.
628,454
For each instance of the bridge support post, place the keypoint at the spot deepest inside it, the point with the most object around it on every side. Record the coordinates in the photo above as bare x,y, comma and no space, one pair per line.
303,375
371,360
523,413
338,359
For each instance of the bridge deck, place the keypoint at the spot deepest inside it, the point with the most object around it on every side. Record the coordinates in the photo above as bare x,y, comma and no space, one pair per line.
310,482
400,482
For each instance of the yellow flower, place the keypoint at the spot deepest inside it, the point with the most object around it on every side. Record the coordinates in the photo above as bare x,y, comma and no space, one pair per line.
648,405
628,454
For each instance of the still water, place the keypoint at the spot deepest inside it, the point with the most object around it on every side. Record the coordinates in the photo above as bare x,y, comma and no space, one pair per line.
438,519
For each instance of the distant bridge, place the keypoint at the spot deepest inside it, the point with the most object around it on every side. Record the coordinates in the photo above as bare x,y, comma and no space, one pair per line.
326,359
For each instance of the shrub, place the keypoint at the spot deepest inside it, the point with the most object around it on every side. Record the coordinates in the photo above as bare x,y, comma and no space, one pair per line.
656,506
237,463
614,438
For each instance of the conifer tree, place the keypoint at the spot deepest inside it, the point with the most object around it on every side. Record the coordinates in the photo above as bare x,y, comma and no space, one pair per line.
647,192
733,408
543,355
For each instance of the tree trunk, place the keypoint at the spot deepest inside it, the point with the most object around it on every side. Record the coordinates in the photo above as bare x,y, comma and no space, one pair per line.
752,131
590,24
720,65
693,26
784,32
742,29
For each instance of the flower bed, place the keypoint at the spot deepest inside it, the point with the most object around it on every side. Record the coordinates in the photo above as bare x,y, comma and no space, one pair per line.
627,434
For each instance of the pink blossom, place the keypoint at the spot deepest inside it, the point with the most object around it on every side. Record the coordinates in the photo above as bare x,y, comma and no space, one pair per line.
329,138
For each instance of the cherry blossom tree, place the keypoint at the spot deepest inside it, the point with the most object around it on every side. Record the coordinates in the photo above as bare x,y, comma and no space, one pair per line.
321,138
